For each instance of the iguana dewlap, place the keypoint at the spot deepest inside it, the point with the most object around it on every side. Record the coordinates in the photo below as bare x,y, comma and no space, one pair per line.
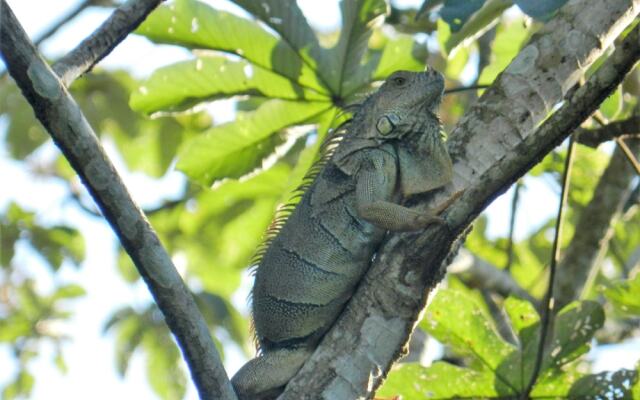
392,148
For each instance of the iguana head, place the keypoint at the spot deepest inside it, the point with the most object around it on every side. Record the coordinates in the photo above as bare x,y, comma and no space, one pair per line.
405,99
401,110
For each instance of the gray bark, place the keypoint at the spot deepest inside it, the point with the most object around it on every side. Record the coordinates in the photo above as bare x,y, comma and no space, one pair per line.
492,145
94,48
63,119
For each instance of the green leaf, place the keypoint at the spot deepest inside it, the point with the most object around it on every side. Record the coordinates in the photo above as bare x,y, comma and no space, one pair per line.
359,17
58,244
185,84
510,36
237,148
69,292
130,332
479,23
401,52
610,385
194,24
24,133
457,12
439,381
574,328
612,106
20,387
286,18
624,295
209,203
163,366
540,9
470,332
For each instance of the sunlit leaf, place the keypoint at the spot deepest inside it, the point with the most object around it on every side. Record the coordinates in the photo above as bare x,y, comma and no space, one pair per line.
359,17
470,322
237,148
479,23
163,366
612,106
182,85
510,36
439,381
624,295
69,292
194,24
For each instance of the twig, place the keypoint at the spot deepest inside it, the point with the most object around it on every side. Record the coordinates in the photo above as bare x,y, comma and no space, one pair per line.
71,132
465,88
629,127
512,225
547,302
629,154
63,21
94,48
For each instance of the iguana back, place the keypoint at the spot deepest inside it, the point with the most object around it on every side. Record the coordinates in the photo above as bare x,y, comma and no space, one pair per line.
391,149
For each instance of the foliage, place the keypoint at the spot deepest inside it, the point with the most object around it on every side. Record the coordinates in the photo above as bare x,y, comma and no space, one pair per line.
300,81
496,368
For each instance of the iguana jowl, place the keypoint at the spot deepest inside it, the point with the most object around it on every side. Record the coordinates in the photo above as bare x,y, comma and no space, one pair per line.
392,148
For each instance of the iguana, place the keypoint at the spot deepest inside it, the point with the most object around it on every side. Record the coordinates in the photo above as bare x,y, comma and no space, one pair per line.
392,148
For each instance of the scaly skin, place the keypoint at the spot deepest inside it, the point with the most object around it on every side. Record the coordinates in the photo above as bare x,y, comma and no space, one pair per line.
392,149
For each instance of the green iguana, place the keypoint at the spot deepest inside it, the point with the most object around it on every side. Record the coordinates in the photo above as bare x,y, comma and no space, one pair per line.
392,148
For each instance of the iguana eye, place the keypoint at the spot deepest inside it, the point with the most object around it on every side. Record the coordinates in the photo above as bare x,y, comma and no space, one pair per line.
398,80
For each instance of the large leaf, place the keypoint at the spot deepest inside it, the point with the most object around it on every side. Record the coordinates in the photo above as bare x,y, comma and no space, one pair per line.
359,17
457,12
439,381
237,148
510,36
477,24
540,9
625,295
495,366
182,85
401,52
471,332
193,24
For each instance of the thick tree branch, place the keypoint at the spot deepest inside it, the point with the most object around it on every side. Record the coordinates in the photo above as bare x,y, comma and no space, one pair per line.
593,230
63,119
626,128
99,44
492,146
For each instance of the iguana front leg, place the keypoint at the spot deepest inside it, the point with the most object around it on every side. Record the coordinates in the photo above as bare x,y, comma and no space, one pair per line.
376,182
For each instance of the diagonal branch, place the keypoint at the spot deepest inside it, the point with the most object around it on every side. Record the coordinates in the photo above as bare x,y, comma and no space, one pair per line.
71,132
100,43
492,146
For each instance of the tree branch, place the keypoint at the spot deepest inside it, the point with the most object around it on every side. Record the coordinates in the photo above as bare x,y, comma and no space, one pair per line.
100,43
476,272
492,146
71,132
593,230
629,127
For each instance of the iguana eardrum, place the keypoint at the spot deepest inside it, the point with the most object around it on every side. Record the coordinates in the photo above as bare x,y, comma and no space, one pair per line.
392,148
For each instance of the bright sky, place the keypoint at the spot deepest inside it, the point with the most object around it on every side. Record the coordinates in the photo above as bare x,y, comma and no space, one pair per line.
89,353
